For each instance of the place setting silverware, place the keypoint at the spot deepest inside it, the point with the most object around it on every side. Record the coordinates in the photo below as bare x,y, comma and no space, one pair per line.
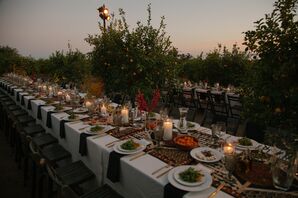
213,194
161,168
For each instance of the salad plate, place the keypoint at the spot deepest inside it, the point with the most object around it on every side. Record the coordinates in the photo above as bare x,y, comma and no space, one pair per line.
80,110
246,143
180,171
130,146
98,129
207,181
190,125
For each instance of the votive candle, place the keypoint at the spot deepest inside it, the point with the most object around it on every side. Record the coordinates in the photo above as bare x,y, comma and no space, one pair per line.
228,149
67,98
103,110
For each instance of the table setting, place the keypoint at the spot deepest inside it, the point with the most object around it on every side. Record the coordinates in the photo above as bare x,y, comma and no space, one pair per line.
187,160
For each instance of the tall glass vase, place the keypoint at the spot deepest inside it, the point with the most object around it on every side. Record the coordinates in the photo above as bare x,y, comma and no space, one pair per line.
284,167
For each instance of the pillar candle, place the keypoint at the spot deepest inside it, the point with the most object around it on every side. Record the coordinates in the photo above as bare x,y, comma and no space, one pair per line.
168,129
124,114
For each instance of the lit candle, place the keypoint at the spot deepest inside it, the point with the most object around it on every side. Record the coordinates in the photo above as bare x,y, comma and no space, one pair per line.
88,104
103,110
67,98
168,129
124,115
44,88
228,149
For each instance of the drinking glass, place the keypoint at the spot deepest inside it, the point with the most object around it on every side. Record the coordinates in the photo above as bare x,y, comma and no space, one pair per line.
215,133
283,170
182,121
222,129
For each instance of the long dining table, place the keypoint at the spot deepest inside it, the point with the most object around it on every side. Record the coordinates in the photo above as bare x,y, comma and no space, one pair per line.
136,179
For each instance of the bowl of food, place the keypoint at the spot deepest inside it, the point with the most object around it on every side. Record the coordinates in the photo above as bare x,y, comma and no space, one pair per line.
186,142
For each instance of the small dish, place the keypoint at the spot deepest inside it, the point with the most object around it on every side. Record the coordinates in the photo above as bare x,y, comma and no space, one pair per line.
198,154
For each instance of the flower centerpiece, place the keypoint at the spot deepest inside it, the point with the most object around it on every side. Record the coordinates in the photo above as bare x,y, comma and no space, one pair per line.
148,106
143,105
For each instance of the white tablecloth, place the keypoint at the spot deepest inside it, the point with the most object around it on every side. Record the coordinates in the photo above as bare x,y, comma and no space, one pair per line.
136,180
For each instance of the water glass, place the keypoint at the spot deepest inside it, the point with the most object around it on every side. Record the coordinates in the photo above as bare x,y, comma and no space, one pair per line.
182,121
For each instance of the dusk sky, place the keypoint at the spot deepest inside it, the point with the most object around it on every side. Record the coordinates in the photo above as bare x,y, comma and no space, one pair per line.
40,27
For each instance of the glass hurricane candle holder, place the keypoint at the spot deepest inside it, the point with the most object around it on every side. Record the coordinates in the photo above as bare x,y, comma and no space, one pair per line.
168,129
229,158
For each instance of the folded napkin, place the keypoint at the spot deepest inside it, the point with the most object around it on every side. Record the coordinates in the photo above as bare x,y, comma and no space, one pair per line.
49,119
18,96
113,173
83,143
22,99
29,103
39,111
62,128
171,191
12,92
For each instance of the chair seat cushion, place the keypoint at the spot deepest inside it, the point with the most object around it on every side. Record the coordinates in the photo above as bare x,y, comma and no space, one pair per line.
32,130
54,153
24,119
74,173
43,140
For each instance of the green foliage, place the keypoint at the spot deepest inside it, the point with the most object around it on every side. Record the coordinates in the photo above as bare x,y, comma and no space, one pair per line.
70,67
8,58
271,87
128,60
221,66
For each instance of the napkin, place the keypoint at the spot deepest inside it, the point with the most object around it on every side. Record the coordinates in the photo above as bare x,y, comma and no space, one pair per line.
39,111
18,96
113,172
171,191
49,119
62,128
22,99
12,91
83,150
29,103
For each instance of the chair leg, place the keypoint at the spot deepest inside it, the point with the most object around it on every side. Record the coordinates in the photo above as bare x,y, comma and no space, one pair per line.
50,187
34,170
25,165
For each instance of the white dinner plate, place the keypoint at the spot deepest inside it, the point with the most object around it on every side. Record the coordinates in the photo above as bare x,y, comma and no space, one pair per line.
118,149
196,152
206,184
78,117
179,180
195,127
105,129
80,110
252,147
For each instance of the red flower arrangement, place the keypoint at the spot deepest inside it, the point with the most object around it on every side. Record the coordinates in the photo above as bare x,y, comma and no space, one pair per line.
142,103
